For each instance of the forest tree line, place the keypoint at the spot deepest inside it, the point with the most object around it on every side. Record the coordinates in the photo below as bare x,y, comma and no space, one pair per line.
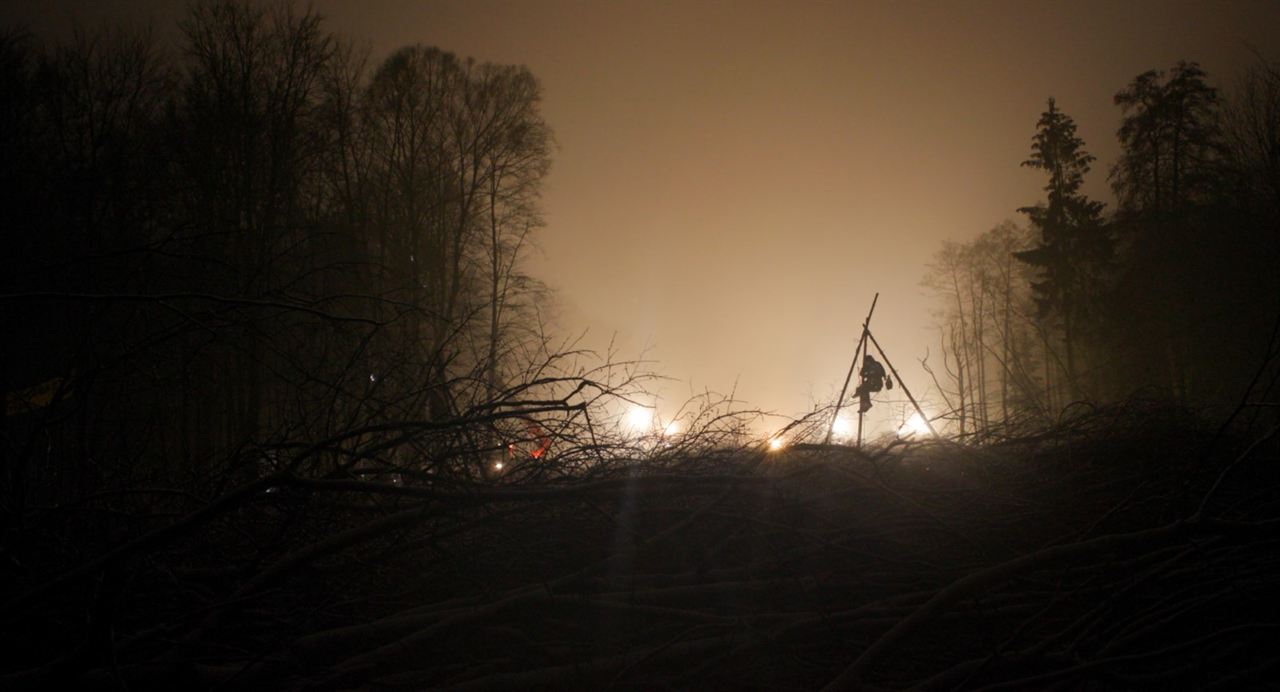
1172,294
253,239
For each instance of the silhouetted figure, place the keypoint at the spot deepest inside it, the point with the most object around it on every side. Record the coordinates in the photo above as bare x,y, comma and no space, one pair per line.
872,381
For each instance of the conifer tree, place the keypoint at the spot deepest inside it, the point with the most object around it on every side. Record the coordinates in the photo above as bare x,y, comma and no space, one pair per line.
1170,136
1072,244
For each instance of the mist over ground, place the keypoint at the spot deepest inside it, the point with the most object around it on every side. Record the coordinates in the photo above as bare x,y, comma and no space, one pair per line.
530,345
732,183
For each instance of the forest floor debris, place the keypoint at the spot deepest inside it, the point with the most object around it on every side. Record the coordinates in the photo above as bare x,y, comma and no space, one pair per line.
1077,557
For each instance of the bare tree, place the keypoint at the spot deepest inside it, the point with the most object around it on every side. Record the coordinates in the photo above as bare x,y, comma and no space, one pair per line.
986,323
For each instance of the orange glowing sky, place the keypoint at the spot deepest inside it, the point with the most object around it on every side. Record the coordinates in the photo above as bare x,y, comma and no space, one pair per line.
735,180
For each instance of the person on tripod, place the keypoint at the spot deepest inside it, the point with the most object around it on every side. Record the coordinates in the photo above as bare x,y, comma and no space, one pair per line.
873,378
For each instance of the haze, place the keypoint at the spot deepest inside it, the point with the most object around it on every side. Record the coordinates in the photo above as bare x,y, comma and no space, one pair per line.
734,181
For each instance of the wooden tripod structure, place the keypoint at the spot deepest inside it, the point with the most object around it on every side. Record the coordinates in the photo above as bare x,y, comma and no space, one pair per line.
868,338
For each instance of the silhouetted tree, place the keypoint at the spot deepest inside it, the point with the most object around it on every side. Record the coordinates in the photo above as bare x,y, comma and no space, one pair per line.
1170,292
245,138
251,240
1251,133
988,331
515,157
1170,139
1252,138
1072,246
457,154
1172,227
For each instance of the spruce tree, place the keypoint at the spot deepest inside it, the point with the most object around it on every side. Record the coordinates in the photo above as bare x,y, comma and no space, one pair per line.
1072,244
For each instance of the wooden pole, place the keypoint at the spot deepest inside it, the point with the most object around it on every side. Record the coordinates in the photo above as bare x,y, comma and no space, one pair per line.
861,413
862,342
862,345
902,384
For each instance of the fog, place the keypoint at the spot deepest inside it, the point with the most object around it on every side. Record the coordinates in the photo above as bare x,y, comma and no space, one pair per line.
734,181
344,344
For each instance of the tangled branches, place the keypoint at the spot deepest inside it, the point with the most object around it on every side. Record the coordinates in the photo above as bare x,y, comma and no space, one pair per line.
1060,559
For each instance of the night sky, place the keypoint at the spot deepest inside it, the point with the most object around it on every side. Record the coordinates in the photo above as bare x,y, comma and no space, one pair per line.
734,181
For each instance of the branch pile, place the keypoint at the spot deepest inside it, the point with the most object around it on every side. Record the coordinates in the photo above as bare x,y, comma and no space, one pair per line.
1108,551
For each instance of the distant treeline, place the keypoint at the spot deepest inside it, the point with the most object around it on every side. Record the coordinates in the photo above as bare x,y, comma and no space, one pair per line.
256,239
1174,294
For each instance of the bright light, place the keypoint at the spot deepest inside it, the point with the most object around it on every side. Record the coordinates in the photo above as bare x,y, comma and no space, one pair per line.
672,428
775,444
914,425
842,428
497,465
640,419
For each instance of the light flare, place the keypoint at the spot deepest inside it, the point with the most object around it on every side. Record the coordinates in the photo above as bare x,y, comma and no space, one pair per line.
841,428
915,425
640,419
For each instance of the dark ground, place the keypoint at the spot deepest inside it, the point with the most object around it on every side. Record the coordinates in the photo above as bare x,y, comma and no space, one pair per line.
1077,558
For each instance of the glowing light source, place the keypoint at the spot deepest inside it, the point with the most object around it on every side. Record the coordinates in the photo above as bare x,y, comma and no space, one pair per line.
640,419
776,444
497,465
915,425
841,428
